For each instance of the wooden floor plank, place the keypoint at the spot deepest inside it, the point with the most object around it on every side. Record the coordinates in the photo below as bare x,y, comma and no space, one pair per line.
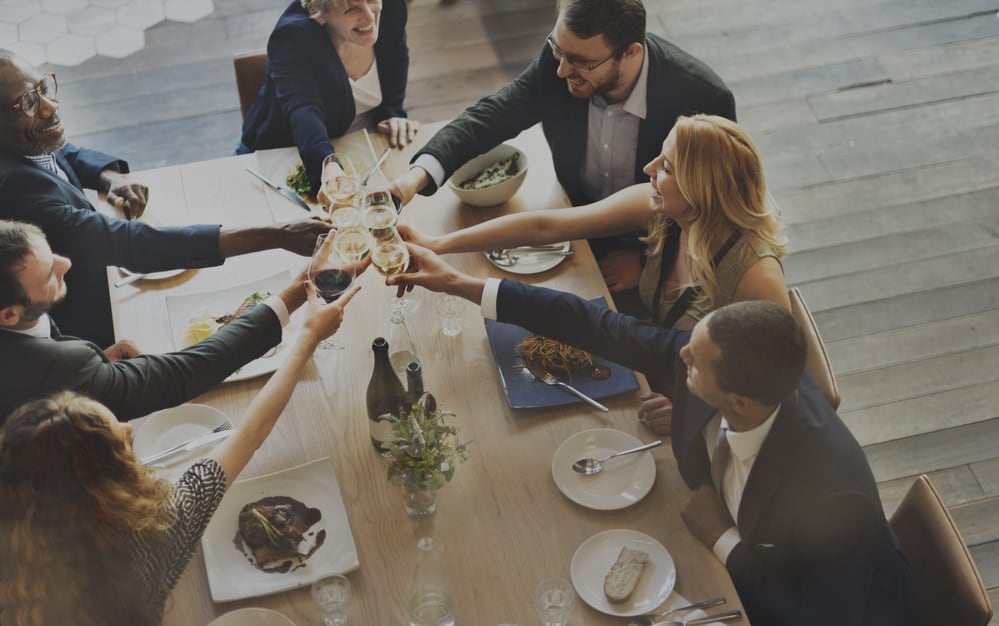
987,474
956,485
955,57
976,520
933,451
986,557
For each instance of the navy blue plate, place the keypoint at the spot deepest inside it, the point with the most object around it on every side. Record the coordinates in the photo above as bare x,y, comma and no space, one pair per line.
523,391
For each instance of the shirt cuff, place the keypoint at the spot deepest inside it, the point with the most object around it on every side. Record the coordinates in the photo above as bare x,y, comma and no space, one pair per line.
490,292
726,543
277,305
432,166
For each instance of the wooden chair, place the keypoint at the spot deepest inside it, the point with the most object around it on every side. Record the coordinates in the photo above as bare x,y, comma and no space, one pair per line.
818,364
250,68
949,589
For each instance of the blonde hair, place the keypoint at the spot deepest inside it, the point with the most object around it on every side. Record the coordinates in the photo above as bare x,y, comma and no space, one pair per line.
719,172
71,494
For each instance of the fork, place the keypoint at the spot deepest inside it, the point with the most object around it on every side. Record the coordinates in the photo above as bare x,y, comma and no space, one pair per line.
505,258
549,379
224,426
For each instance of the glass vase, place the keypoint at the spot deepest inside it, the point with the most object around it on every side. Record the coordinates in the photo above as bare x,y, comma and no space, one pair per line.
420,498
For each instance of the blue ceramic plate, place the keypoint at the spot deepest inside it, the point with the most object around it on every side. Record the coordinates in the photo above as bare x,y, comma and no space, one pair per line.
524,392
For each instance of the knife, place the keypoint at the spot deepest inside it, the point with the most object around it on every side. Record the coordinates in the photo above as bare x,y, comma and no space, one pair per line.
188,446
284,191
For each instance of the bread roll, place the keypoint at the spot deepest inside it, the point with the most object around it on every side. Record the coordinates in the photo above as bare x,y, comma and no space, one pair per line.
623,576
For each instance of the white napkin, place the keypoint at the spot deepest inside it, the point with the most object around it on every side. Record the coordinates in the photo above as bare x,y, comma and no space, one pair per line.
675,600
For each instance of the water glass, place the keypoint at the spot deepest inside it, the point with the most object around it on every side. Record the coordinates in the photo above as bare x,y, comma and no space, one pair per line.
554,598
451,312
332,597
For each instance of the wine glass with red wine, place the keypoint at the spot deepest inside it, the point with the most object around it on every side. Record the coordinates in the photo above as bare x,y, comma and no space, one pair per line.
331,275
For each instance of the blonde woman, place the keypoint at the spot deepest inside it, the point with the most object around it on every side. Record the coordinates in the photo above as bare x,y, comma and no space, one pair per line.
92,538
714,232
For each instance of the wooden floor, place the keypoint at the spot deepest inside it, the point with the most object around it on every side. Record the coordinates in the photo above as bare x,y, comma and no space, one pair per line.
879,122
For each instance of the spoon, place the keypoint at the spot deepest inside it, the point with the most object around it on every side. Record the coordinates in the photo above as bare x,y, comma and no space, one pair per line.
371,170
717,617
591,466
649,620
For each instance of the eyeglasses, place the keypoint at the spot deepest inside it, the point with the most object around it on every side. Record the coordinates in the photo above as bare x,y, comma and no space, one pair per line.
30,100
582,66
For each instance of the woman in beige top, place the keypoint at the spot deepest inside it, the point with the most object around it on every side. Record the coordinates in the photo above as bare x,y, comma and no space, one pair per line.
708,215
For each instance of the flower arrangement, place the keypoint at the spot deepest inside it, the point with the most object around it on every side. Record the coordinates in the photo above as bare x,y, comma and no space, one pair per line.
423,447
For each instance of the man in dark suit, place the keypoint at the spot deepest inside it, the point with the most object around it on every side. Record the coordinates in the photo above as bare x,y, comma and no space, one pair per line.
781,491
606,94
35,359
42,180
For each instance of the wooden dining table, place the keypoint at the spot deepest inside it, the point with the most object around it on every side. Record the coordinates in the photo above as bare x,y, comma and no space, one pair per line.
502,522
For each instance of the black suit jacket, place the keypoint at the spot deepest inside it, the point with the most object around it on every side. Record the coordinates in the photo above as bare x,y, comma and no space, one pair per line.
816,548
91,240
306,97
32,367
678,84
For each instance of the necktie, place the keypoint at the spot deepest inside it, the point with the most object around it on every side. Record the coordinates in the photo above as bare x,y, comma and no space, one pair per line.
720,461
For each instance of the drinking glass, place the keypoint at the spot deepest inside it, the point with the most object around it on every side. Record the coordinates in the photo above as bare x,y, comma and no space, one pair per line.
332,597
331,274
339,184
451,311
554,598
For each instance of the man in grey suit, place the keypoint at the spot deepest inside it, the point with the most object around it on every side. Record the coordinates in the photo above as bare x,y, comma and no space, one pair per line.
35,359
606,93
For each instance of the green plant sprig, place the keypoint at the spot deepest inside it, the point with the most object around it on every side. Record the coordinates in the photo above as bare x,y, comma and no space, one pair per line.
423,447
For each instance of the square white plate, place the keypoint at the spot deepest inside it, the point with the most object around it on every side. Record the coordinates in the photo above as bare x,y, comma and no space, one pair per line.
181,308
231,575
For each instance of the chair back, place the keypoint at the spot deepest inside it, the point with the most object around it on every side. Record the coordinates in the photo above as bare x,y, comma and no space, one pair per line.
949,589
250,69
817,363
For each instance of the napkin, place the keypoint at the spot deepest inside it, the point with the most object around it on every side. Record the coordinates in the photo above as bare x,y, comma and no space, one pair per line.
675,600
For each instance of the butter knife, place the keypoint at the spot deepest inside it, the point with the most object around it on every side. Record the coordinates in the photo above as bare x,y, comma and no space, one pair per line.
284,191
186,447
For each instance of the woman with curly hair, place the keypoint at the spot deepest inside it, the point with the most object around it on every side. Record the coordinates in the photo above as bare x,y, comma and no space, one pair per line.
91,536
714,231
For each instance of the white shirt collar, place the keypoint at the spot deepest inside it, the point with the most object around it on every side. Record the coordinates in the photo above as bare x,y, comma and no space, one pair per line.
637,103
746,445
42,328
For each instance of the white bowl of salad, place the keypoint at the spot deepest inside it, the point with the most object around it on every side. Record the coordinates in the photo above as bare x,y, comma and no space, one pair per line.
491,178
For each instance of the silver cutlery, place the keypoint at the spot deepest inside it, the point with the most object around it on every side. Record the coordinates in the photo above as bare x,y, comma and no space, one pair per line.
551,247
649,620
590,466
549,379
717,617
284,191
128,280
191,444
506,259
374,168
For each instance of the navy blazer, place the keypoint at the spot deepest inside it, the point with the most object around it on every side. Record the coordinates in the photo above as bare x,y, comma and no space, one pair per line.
306,97
678,84
92,240
815,546
32,367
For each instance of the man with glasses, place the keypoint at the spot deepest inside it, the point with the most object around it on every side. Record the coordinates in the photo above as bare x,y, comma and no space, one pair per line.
41,182
606,93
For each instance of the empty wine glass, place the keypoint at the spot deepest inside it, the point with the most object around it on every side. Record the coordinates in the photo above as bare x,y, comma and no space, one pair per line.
332,597
331,274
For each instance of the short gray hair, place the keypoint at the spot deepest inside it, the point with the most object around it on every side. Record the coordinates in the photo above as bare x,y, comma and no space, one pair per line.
318,7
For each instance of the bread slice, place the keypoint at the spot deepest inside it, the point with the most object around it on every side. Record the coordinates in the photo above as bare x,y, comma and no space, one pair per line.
623,576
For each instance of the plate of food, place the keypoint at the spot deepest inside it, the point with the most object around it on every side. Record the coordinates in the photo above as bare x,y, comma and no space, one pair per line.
622,572
590,374
278,532
623,481
252,616
196,316
530,259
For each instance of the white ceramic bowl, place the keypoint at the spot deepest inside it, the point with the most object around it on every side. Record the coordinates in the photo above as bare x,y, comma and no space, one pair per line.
495,194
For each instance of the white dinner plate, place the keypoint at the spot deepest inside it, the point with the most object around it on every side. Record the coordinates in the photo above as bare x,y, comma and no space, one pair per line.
166,428
231,575
181,309
152,275
594,557
623,481
252,617
531,263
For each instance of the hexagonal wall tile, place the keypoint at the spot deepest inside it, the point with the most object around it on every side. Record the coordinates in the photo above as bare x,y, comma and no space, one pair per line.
8,34
188,10
111,4
42,28
63,7
16,11
92,20
141,13
30,51
70,49
120,42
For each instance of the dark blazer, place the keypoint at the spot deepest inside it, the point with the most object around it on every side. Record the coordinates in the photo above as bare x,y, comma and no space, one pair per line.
678,84
32,367
306,97
92,240
816,548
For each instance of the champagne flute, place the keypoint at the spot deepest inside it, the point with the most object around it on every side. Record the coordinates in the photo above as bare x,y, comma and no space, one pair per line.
331,274
390,256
